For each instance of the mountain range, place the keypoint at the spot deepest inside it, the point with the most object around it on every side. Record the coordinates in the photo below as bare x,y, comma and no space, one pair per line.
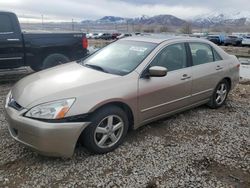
227,18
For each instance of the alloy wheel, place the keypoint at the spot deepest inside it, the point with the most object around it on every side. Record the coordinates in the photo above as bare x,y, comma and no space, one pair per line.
221,94
109,131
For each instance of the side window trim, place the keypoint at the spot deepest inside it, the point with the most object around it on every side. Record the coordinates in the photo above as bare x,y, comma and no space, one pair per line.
212,49
189,55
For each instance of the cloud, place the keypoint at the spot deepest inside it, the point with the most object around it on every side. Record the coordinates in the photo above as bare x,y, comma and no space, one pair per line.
211,4
93,9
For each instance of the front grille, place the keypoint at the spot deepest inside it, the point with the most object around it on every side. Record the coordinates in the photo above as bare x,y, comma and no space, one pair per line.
13,104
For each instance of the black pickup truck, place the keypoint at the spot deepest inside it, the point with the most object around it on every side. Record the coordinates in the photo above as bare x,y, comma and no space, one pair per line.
37,50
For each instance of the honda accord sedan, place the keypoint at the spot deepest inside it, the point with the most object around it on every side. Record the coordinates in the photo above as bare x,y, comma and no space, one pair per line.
125,85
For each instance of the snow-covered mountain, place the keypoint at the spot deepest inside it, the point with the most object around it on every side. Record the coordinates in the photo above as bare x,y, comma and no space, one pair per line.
230,17
160,20
145,20
213,19
112,19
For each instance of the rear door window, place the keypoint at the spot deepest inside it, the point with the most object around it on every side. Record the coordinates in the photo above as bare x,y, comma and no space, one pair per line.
217,56
5,24
201,53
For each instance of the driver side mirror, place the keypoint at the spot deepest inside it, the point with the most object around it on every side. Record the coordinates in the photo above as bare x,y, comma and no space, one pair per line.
157,71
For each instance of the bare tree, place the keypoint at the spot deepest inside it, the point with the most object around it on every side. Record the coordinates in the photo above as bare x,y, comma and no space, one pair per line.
138,28
187,28
163,29
149,29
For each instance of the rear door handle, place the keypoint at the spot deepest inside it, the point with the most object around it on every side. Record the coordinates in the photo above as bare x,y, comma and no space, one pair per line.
219,67
185,77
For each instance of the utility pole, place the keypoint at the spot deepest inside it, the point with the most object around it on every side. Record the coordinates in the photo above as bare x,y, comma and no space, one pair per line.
127,26
42,22
73,25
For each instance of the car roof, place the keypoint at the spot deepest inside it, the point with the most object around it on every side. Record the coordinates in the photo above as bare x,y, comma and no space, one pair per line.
160,38
7,12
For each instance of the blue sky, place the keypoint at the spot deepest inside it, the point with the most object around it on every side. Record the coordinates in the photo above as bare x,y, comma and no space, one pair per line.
65,10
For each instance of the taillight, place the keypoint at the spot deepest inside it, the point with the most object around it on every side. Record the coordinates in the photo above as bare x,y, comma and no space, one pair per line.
85,43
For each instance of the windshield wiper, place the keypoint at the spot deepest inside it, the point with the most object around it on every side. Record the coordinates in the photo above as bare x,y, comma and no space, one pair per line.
96,67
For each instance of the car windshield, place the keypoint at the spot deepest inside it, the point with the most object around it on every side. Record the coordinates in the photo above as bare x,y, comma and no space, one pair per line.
120,57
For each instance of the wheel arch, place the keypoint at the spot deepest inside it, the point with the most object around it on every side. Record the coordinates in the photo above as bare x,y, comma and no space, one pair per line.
125,107
40,55
59,50
229,81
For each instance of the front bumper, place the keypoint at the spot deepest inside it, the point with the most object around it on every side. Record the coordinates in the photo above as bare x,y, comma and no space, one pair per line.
50,139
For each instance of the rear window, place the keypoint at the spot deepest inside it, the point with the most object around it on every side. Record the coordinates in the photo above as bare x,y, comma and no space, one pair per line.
5,24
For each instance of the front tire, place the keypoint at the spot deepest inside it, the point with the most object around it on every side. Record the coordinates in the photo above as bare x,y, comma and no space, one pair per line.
107,131
220,95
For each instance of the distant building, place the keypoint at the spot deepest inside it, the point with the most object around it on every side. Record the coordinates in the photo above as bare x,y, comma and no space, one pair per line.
200,34
241,34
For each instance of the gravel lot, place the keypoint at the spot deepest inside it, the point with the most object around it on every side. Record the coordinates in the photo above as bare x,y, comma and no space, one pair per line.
198,148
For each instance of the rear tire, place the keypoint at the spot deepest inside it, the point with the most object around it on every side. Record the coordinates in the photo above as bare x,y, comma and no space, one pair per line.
107,131
54,60
220,95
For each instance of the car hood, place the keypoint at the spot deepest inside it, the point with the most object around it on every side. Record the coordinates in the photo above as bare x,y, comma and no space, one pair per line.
57,83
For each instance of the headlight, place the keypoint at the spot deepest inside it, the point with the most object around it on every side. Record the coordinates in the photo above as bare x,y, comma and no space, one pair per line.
52,110
8,97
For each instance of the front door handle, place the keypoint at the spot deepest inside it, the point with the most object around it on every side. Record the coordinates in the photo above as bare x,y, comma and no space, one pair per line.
185,77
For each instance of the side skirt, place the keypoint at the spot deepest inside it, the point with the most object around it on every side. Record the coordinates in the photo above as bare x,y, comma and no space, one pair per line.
147,121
